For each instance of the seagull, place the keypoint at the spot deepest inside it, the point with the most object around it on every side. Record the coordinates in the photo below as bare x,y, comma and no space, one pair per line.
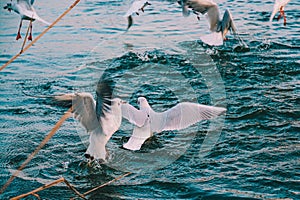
218,27
100,129
136,6
101,117
25,9
279,6
178,117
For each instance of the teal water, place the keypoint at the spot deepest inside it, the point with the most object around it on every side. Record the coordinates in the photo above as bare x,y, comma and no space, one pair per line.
253,151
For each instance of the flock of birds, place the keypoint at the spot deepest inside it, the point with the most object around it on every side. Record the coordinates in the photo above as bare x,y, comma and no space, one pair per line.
218,27
103,117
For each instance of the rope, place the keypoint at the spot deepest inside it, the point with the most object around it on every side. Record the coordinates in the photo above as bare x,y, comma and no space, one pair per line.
105,184
30,157
40,35
25,39
33,192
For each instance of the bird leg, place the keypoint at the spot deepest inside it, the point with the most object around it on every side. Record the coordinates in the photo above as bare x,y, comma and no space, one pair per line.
18,34
281,13
284,18
30,31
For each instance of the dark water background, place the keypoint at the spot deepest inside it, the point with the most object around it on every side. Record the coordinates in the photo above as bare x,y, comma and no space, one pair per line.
257,152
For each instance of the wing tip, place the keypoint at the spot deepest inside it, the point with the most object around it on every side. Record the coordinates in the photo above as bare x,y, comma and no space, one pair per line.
213,39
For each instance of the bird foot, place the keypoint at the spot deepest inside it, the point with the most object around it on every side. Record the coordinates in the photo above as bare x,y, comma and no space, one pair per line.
88,156
30,37
18,36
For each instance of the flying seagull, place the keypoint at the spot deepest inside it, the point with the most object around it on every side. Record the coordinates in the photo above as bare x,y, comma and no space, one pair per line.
279,6
178,117
25,9
218,27
136,6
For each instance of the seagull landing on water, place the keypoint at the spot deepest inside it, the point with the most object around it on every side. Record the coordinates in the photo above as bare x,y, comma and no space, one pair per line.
25,9
101,126
136,6
279,6
178,117
218,27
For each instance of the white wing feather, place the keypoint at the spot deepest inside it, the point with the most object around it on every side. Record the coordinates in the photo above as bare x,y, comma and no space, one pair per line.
133,115
213,39
182,116
135,7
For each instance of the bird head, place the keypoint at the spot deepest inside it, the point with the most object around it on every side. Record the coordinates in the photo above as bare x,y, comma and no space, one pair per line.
8,7
118,101
142,101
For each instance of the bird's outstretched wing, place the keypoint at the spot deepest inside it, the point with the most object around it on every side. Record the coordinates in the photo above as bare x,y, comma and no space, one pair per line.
206,7
133,115
83,108
183,115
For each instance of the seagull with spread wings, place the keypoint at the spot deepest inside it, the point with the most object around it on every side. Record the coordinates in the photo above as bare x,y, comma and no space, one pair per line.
101,127
25,9
101,118
279,6
218,27
178,117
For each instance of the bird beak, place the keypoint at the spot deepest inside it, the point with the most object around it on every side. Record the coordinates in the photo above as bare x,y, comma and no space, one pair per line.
123,102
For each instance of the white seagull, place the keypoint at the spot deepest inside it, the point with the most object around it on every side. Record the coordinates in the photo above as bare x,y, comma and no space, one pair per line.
178,117
279,6
218,27
100,129
25,9
136,6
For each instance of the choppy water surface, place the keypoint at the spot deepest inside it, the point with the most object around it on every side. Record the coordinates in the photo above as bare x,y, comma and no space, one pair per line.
254,151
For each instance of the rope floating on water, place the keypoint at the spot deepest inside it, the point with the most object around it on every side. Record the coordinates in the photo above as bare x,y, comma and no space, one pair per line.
30,157
40,35
105,184
60,180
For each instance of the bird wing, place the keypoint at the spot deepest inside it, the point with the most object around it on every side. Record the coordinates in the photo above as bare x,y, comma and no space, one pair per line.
138,137
27,10
26,4
227,23
135,7
184,6
83,109
182,116
206,7
133,115
213,39
29,2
